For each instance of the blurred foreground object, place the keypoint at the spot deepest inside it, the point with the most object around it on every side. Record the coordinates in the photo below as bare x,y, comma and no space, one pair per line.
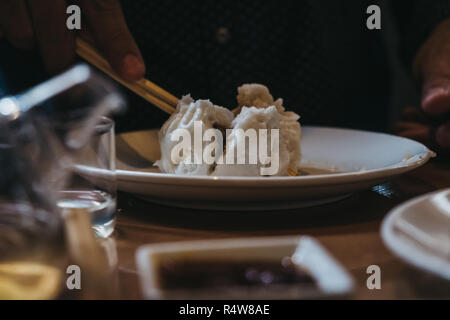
39,138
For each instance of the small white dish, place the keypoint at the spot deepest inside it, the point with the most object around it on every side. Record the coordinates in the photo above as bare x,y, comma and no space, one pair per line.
418,232
355,160
331,279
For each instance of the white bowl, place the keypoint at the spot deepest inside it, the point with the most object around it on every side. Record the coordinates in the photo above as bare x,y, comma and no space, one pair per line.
424,243
330,277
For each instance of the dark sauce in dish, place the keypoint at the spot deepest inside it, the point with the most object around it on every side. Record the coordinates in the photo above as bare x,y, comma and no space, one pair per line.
204,274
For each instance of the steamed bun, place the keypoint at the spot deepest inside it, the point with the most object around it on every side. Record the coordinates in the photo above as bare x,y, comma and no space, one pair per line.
257,109
188,111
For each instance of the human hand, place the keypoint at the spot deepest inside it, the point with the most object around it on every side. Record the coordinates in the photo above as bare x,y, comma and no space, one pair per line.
417,125
432,70
41,25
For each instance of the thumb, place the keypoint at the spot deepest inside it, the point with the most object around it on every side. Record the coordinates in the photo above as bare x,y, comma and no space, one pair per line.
110,31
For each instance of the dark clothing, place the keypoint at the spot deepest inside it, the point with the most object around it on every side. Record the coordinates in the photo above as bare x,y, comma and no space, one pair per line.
316,54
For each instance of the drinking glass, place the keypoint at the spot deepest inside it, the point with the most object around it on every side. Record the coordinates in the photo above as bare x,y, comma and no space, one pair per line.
93,182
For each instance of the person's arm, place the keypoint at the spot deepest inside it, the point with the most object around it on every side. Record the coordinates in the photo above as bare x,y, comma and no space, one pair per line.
41,26
425,30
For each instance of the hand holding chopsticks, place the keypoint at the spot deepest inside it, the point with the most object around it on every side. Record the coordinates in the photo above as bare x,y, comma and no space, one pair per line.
144,88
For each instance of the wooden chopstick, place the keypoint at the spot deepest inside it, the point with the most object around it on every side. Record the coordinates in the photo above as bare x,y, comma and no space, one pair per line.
144,87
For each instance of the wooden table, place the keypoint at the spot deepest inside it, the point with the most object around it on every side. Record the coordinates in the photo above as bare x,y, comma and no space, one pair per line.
348,229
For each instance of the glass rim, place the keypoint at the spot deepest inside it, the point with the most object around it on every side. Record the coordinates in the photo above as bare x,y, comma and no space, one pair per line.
104,125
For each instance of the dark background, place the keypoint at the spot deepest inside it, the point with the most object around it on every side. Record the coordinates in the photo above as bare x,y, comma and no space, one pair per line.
19,71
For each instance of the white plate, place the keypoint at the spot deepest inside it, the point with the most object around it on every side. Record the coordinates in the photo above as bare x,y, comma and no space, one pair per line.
421,250
331,279
364,159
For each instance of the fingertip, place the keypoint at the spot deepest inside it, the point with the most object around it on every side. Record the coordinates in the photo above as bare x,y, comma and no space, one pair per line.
132,68
436,101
